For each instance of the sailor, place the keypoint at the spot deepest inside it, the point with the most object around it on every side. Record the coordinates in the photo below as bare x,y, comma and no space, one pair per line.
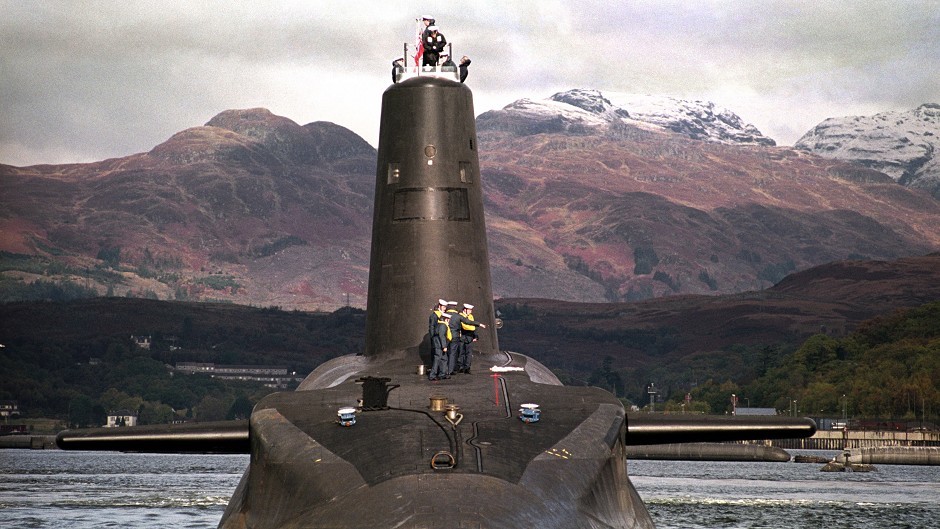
398,68
441,339
468,335
433,45
447,64
460,323
453,339
464,64
437,330
426,20
435,317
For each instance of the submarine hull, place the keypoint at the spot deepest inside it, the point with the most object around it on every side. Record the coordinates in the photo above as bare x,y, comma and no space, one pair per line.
407,466
402,462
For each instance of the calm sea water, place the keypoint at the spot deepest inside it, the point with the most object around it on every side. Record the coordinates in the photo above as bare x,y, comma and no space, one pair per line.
84,490
709,495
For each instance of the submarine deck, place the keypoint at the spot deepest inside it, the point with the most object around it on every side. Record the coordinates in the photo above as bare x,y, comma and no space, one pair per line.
489,439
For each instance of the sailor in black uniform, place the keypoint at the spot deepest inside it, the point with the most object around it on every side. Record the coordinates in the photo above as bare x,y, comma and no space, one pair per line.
468,335
441,339
433,45
398,68
461,323
447,64
464,64
437,331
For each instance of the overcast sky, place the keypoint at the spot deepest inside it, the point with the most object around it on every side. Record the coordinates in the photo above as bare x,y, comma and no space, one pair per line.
84,81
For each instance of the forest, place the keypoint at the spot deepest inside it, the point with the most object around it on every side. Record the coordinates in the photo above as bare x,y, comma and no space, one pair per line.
74,361
888,368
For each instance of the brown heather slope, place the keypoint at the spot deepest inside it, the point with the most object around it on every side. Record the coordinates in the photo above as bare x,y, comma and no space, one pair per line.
681,340
638,213
250,208
676,341
253,208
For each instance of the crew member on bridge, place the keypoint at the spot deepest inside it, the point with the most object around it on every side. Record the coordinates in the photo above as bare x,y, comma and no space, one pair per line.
433,45
464,65
398,68
447,64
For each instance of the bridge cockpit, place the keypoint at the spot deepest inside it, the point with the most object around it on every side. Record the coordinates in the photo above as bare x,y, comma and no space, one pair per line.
411,65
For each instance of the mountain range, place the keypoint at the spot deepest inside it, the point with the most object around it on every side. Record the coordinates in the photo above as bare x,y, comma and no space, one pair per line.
589,197
899,144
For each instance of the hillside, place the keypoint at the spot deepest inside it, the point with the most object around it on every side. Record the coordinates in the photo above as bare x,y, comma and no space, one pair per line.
588,199
682,341
679,342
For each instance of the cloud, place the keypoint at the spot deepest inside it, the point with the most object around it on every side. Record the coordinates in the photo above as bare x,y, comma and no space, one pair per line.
83,81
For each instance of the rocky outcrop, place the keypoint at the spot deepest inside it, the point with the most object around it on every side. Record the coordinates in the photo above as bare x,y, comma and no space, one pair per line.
582,111
904,145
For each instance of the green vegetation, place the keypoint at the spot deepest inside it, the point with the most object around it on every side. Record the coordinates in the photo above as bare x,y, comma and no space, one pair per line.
74,361
111,256
775,272
888,368
278,245
52,287
708,280
13,290
645,260
219,282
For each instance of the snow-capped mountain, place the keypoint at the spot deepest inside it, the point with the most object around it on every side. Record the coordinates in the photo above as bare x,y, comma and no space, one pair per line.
701,120
585,110
902,145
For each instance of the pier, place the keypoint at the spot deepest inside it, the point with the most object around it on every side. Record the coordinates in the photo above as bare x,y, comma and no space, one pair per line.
842,439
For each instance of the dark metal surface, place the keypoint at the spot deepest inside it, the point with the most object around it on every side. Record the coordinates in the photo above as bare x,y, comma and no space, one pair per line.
224,437
428,230
646,429
566,471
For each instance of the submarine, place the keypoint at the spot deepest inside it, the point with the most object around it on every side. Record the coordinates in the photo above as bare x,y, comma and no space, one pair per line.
368,441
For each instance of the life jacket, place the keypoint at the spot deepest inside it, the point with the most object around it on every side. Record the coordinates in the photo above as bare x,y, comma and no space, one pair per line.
441,320
464,326
450,335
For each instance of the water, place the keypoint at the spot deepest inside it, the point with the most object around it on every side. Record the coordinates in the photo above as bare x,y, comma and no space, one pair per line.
709,495
84,490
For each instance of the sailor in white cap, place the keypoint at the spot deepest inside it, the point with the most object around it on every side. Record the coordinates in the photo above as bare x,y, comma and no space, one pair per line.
434,43
434,321
427,20
468,335
447,64
459,323
435,316
398,68
440,338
